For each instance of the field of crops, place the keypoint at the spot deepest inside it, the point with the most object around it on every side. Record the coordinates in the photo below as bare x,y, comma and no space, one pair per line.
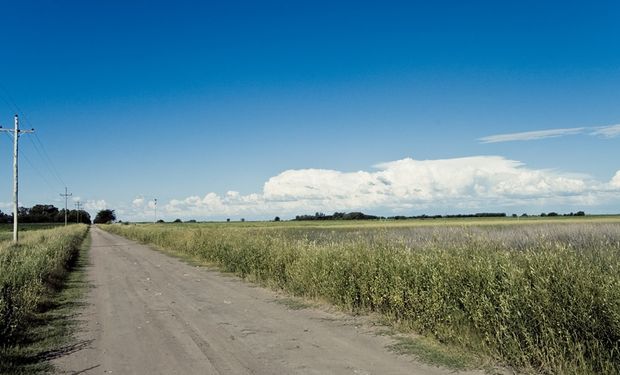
541,297
30,270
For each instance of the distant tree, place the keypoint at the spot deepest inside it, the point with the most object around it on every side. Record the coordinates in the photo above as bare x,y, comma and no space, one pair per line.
177,221
552,214
514,215
84,217
242,220
191,221
23,213
277,218
160,221
358,216
42,213
228,220
580,213
399,217
105,216
5,218
337,216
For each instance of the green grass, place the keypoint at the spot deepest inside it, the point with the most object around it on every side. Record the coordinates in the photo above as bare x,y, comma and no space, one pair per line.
39,297
537,295
430,352
30,226
6,230
293,303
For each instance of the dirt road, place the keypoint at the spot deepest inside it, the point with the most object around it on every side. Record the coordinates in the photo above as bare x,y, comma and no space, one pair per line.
149,313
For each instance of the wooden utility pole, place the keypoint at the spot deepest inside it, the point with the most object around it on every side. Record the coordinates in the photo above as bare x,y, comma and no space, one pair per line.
16,132
78,205
66,195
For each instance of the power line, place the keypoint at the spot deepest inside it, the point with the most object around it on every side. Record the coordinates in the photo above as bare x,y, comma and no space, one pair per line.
41,155
40,149
51,163
6,97
16,132
32,165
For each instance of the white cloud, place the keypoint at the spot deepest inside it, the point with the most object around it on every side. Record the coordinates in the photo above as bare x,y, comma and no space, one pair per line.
530,136
611,131
421,181
95,205
138,202
615,181
479,182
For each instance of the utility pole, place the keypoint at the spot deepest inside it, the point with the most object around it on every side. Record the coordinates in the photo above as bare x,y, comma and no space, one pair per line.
16,132
78,205
66,195
155,209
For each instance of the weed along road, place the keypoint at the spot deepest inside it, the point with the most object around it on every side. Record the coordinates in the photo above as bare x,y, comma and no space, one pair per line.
149,313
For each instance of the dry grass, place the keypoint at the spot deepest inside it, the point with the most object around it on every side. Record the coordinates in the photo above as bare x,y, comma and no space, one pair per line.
28,271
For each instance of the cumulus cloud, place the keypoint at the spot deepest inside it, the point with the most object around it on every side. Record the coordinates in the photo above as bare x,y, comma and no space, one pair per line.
138,202
410,181
469,182
97,205
615,181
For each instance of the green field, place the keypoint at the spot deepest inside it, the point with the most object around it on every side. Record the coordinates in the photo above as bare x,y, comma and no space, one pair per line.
540,295
31,276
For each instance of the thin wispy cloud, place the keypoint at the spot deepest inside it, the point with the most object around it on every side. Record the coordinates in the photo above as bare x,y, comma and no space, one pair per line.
607,131
610,131
532,135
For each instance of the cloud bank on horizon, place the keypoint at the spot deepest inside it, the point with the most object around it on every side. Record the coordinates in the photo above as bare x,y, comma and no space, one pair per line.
610,131
401,186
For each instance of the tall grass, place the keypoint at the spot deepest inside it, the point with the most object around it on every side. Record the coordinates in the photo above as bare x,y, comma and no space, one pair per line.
543,298
29,270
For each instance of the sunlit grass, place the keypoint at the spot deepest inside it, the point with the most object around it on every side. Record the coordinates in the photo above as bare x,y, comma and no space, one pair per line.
28,271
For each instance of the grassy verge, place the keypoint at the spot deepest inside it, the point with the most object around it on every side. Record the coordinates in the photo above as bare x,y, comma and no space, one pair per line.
42,282
539,298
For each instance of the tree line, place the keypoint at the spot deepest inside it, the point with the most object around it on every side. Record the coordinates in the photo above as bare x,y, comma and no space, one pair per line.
337,216
363,216
46,213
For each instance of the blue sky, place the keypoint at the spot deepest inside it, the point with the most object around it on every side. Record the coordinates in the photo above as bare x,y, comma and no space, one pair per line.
252,109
